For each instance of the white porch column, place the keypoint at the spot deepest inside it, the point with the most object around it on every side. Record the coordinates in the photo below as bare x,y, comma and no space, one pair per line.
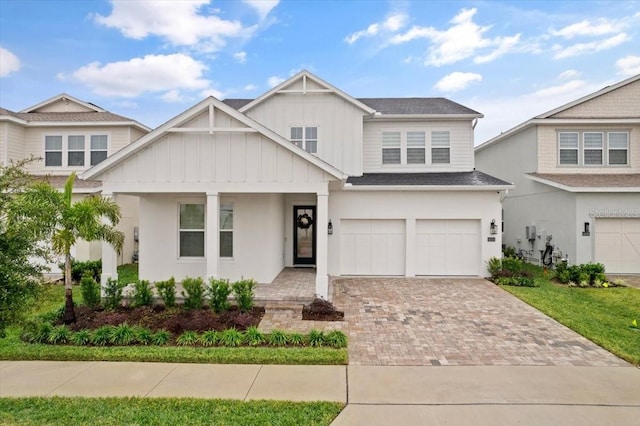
212,231
109,255
322,245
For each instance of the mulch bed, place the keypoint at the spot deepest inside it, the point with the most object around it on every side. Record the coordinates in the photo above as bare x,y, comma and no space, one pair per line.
321,310
176,320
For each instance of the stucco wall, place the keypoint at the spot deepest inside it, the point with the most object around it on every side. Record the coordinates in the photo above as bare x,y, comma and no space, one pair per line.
411,206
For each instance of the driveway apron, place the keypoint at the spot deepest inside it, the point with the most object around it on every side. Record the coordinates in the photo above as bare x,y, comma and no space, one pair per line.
454,321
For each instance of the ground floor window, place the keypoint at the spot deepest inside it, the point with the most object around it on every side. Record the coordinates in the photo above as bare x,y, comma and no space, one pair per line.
191,230
226,230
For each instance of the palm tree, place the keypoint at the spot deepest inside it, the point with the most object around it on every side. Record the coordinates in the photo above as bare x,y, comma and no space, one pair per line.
68,222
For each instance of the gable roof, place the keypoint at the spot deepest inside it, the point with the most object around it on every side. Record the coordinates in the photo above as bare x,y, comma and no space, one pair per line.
445,180
187,115
304,75
64,97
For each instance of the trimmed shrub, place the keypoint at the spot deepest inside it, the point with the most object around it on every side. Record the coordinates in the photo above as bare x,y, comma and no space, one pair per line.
193,293
113,294
78,269
167,291
243,292
142,293
218,292
90,290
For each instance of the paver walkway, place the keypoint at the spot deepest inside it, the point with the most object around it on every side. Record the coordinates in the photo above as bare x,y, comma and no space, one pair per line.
453,321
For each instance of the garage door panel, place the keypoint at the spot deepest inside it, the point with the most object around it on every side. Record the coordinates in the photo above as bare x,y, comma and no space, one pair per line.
617,244
378,246
447,247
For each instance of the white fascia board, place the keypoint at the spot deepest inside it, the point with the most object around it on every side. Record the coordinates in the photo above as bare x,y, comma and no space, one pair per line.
351,187
422,117
13,119
64,96
88,123
583,188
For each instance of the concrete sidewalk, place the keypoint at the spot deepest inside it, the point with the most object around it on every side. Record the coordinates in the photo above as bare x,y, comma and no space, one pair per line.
374,395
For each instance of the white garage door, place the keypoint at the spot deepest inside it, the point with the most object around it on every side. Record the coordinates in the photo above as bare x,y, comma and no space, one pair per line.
372,247
618,244
448,247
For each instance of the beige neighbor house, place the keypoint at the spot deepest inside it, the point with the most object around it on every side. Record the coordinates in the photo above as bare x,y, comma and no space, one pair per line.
306,175
66,135
576,171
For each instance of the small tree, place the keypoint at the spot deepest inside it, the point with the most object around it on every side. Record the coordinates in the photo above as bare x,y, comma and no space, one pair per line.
68,221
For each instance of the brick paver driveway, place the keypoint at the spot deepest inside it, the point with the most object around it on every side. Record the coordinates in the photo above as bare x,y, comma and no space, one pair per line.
468,321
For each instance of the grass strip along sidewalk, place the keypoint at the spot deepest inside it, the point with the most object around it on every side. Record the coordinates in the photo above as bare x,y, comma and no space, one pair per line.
154,411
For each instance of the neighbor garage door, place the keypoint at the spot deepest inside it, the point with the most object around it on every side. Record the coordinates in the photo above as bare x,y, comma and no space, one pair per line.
448,247
372,247
618,244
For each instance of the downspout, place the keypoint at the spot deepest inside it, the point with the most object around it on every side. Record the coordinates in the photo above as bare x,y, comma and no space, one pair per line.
474,123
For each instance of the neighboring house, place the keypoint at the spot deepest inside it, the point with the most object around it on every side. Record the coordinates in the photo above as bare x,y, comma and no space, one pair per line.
66,135
306,175
576,171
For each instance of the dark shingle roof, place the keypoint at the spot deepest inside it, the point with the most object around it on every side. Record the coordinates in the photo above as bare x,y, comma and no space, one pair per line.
66,116
401,106
629,180
474,178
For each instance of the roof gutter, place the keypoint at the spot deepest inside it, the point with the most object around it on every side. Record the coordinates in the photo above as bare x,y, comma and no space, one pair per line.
351,187
400,117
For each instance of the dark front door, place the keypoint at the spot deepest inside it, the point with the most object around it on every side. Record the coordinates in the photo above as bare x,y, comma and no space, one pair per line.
304,235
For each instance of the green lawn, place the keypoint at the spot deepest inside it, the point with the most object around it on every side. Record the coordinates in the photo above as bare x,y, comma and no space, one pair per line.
602,315
153,411
52,297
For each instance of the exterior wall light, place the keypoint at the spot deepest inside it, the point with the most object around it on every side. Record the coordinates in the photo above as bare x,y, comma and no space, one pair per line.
493,228
330,228
586,231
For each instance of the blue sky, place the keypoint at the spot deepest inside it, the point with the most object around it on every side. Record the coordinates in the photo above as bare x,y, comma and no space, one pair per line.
150,60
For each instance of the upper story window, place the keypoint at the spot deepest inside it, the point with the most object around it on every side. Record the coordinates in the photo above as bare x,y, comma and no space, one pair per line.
75,150
415,148
191,230
590,148
568,143
618,149
391,148
440,148
305,137
53,151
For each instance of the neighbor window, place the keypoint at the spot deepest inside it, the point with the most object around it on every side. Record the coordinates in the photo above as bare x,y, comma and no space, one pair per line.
391,148
191,230
53,151
98,148
618,148
440,148
568,146
226,230
415,148
75,151
593,148
305,138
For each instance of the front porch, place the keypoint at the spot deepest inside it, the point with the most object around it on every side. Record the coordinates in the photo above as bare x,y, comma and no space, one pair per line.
291,286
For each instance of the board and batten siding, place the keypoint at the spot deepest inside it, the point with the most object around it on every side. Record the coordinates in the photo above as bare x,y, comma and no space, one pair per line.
461,145
548,149
339,124
217,157
12,147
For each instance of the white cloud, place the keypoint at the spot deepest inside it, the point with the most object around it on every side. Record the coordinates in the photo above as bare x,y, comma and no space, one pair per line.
587,28
212,92
250,87
629,65
555,91
263,7
392,24
9,62
456,81
172,96
274,80
591,47
463,39
568,74
181,23
240,57
152,73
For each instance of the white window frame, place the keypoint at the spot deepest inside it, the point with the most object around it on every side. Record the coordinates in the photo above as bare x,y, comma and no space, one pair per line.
609,149
422,147
230,230
577,149
304,140
585,148
64,162
83,151
202,230
448,147
92,149
395,146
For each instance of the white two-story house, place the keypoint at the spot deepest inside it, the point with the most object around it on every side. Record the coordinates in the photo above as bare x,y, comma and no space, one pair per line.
576,171
65,134
306,175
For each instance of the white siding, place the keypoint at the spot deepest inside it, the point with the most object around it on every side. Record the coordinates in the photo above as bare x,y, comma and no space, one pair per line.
461,145
339,124
622,102
11,142
63,106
